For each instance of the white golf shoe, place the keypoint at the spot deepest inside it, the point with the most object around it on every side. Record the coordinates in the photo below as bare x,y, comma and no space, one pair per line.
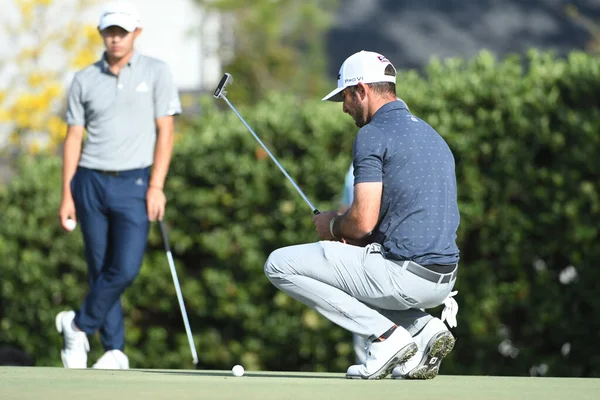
434,342
112,359
382,357
76,345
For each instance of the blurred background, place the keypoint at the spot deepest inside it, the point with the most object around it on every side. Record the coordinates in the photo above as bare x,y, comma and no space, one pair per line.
512,86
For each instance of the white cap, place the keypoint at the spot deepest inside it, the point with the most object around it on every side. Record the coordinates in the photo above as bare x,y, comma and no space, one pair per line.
120,13
365,67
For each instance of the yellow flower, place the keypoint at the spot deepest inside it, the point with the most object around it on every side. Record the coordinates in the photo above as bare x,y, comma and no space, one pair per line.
38,103
21,119
34,147
14,138
4,115
57,128
92,36
36,122
26,7
70,42
24,103
84,58
53,90
27,54
31,104
35,79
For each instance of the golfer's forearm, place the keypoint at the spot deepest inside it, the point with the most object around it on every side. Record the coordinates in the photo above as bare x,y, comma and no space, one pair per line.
71,155
162,153
362,217
350,226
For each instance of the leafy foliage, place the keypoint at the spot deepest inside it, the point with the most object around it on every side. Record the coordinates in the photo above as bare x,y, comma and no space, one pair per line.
524,135
274,45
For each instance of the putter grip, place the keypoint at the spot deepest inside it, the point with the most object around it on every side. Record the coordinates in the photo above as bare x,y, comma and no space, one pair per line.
163,231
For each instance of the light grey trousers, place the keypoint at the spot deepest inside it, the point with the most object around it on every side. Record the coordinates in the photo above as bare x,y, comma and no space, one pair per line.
355,287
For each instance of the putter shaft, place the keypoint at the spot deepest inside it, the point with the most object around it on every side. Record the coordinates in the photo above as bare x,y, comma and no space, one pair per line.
220,93
186,322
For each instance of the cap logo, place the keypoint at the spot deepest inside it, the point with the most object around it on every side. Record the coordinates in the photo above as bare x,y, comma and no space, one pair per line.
383,59
117,12
352,80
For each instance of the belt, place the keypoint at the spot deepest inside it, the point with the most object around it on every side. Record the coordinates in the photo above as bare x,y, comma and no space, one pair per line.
109,173
431,272
425,272
124,172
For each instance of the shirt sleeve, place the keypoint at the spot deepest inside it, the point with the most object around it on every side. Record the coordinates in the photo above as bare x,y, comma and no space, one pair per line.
369,153
75,115
166,96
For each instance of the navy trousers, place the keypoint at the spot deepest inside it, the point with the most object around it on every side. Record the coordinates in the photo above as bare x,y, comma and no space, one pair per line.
111,212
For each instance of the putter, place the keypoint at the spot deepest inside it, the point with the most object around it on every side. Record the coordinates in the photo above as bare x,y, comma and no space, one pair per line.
188,330
220,94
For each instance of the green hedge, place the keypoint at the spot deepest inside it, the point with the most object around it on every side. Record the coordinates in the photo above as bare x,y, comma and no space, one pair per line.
525,135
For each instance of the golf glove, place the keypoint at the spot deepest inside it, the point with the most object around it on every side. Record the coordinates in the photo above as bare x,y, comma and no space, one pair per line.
450,310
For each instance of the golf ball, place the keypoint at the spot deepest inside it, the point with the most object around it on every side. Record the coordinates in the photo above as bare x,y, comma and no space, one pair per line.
237,370
70,224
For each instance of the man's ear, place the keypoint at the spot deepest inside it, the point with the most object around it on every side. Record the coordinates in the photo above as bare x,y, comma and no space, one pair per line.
137,32
361,90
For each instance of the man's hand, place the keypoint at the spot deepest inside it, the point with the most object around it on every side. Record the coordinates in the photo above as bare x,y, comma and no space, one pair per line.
67,211
155,203
322,221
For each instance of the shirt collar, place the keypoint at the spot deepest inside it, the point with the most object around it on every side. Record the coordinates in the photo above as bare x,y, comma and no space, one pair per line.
104,63
392,105
135,58
132,61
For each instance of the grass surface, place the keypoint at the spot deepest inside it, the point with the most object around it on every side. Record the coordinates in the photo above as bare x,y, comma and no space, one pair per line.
57,383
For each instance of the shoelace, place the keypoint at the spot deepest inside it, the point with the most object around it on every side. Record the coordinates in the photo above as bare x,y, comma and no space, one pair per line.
450,310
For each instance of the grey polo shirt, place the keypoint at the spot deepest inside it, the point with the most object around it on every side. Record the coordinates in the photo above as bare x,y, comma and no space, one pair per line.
419,217
119,112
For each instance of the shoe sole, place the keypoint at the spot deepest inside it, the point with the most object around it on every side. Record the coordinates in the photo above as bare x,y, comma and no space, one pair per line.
399,358
437,349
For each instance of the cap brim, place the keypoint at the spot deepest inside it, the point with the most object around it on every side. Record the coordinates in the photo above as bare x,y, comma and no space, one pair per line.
117,20
335,95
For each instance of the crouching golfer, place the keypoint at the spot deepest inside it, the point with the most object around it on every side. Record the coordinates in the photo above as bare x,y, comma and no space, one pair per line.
393,252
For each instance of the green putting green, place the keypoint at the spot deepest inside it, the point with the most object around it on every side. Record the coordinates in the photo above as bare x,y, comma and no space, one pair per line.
57,383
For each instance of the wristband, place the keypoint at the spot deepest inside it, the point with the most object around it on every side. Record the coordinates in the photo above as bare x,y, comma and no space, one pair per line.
331,227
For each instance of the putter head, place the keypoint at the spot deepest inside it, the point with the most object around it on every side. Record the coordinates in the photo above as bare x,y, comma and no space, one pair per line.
220,90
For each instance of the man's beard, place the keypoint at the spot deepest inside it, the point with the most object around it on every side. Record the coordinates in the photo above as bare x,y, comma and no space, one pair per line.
357,112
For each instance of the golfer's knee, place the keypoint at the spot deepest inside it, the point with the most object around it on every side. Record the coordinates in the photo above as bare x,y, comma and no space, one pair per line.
274,267
124,278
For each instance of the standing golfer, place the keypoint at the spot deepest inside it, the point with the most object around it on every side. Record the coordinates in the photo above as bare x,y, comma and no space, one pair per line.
394,250
113,184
